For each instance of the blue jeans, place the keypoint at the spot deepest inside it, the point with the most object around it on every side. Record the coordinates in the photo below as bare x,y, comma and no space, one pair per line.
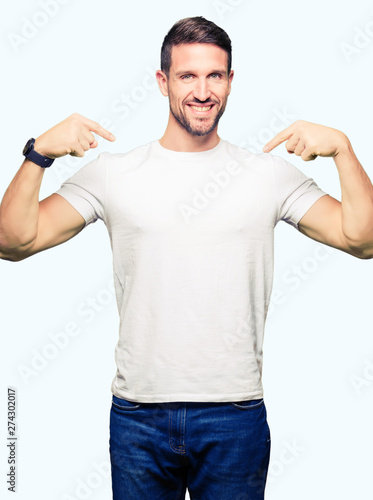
219,451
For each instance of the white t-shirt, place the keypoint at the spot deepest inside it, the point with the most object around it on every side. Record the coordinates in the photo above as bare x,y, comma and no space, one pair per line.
192,240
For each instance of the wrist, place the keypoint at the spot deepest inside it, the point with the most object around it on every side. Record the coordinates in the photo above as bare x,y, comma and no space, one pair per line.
345,147
346,159
32,154
41,148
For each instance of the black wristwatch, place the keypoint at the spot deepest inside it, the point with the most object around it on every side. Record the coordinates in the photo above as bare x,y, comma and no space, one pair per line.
31,154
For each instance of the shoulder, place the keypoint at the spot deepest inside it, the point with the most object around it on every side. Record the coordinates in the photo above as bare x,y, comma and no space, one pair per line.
274,163
128,160
261,162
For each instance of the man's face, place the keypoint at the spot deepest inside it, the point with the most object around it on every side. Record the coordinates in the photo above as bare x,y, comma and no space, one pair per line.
198,86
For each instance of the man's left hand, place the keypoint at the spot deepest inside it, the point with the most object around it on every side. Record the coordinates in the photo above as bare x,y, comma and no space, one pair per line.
309,140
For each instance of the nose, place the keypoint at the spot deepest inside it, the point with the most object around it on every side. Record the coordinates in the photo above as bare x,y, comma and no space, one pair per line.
202,90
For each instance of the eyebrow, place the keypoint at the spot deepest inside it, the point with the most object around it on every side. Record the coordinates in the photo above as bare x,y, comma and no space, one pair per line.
220,71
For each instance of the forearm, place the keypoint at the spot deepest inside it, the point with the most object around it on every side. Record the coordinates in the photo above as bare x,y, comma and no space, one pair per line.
357,199
19,209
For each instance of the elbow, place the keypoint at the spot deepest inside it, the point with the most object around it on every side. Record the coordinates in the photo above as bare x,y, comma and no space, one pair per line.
15,245
4,255
8,257
14,253
362,251
360,244
12,256
364,256
367,255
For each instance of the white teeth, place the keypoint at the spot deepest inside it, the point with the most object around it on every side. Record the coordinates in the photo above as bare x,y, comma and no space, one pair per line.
199,108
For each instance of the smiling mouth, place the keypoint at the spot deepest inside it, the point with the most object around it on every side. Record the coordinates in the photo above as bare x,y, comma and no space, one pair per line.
201,109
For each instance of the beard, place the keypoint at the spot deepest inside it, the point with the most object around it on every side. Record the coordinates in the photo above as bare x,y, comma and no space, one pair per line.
200,128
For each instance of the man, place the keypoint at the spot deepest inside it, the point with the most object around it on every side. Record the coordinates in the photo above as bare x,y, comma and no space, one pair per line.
191,219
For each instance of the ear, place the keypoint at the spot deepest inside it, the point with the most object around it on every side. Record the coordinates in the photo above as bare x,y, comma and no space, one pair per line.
231,75
162,82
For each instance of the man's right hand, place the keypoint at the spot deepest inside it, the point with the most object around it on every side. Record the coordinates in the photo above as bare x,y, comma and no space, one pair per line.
28,226
73,136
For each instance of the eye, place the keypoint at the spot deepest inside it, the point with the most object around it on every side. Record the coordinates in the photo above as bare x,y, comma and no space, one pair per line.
215,76
186,77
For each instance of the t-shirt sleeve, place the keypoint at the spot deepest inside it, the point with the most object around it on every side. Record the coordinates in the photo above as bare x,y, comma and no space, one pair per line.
296,192
85,190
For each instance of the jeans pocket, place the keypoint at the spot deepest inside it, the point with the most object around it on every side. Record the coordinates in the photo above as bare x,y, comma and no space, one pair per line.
248,404
124,404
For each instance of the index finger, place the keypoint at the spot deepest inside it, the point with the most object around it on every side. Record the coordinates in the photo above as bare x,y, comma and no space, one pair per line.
282,136
98,129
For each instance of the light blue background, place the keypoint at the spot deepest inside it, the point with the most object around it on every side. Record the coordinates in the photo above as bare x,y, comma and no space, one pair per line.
293,60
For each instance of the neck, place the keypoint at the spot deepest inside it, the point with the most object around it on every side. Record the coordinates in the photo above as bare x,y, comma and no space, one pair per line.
177,138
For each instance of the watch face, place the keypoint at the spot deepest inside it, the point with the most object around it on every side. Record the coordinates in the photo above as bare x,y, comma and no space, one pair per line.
28,146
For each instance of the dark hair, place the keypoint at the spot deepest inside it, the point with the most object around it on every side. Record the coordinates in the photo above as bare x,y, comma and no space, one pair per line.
194,30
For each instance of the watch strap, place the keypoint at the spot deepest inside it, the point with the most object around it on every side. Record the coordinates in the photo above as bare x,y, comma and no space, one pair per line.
32,155
42,161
